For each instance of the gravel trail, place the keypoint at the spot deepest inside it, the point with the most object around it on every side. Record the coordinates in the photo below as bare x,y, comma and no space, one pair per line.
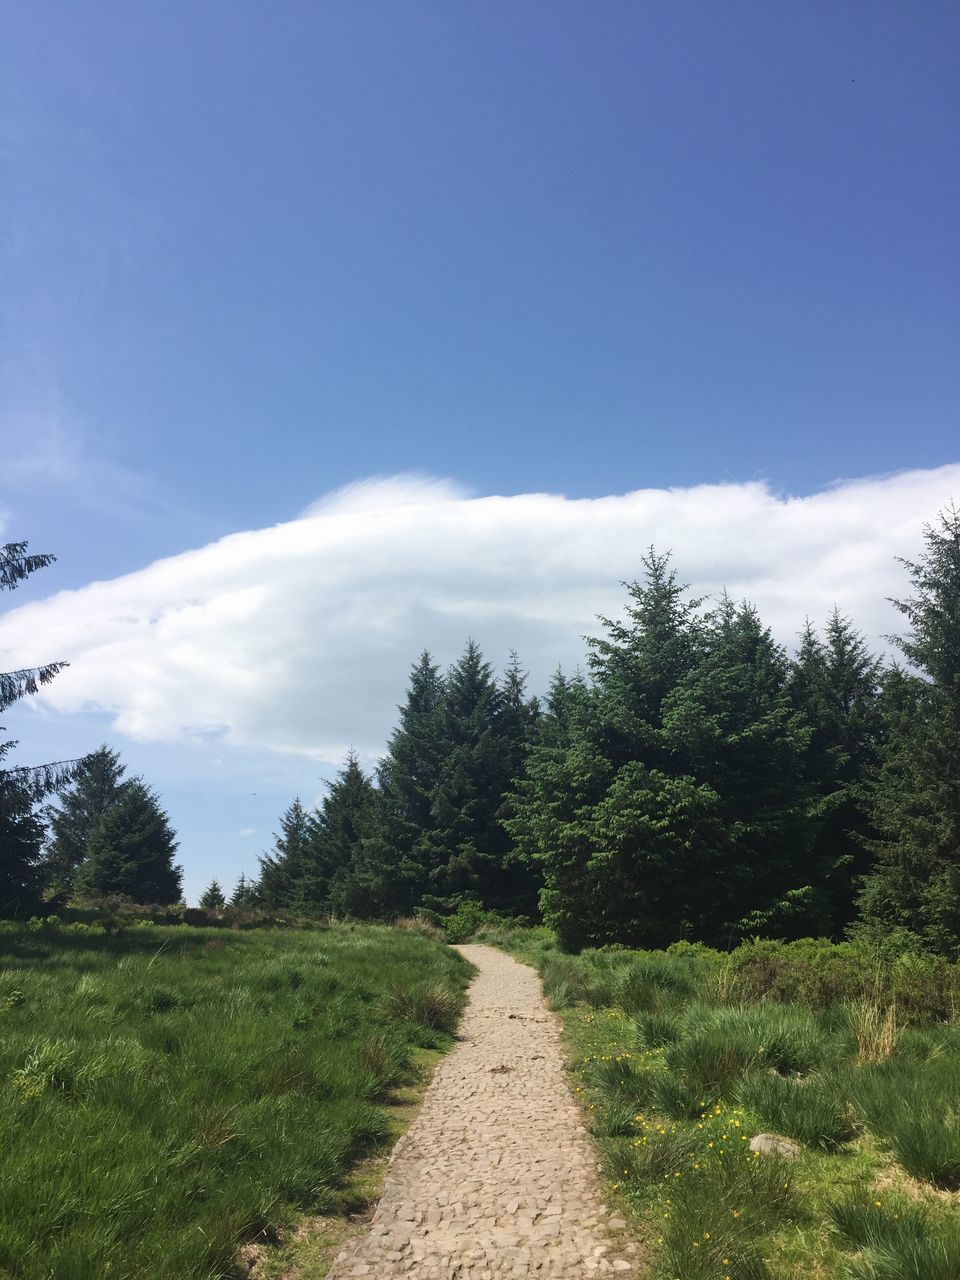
496,1176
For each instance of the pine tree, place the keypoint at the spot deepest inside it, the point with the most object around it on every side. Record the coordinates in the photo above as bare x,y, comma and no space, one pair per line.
97,787
130,851
285,871
213,896
603,881
23,787
244,893
408,776
915,797
468,846
835,681
731,726
344,820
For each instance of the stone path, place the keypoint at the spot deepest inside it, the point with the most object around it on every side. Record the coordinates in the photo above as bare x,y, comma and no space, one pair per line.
496,1176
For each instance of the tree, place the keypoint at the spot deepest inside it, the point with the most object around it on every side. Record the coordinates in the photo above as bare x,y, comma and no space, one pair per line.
213,897
244,893
284,871
130,851
915,795
96,789
835,681
468,847
408,776
345,819
23,787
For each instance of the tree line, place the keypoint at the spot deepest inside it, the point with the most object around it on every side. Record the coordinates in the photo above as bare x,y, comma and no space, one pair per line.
695,781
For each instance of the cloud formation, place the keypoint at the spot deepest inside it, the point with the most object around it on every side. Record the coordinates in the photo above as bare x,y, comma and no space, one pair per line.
299,638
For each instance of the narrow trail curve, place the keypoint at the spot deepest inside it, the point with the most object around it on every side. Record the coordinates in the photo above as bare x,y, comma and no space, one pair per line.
496,1176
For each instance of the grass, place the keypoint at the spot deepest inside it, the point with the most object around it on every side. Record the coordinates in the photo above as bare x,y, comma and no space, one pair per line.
169,1093
681,1057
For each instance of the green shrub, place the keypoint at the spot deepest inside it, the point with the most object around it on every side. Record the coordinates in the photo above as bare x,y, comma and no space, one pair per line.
816,1111
917,1110
430,1005
897,1240
722,1045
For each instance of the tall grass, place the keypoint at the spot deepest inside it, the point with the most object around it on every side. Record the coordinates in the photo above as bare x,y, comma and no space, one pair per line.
167,1093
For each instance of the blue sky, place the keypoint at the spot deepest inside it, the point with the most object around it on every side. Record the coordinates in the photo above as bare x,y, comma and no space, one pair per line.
252,253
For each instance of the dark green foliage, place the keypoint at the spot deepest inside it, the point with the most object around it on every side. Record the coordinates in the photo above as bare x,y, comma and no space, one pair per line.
213,896
22,787
835,682
244,893
915,799
97,788
130,851
284,872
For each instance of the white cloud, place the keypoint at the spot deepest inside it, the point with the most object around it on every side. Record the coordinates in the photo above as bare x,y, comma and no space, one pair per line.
299,638
244,832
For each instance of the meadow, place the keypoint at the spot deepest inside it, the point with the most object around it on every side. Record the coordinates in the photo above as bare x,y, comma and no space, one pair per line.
682,1056
169,1093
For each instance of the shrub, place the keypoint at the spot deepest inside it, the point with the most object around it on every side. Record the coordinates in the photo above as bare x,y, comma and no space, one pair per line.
917,1110
897,1240
816,1111
429,1005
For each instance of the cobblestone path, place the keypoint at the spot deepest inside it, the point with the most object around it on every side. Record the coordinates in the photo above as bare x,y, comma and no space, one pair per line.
496,1176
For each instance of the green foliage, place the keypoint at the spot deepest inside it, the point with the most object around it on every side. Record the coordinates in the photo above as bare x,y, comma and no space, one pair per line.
22,787
916,1108
915,797
130,851
81,807
898,1240
213,896
170,1093
815,1110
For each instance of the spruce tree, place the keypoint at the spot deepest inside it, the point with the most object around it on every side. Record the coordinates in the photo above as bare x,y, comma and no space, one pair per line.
212,897
408,776
98,786
915,796
835,681
344,820
23,787
130,851
284,872
468,846
244,893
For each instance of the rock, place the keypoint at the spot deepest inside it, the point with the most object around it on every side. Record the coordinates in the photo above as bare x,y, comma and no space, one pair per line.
772,1144
617,1224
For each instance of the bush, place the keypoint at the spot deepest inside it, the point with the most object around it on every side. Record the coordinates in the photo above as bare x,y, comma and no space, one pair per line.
917,1111
897,1240
429,1005
816,1111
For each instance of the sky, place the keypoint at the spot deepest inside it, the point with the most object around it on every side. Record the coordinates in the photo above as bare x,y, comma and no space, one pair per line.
332,332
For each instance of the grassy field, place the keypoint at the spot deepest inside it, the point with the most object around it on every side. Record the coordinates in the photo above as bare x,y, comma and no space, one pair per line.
169,1093
682,1057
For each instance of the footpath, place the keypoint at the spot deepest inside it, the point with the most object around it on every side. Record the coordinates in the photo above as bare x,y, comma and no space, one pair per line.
496,1176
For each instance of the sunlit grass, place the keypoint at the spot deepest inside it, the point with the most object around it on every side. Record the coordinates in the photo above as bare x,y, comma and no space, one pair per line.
168,1093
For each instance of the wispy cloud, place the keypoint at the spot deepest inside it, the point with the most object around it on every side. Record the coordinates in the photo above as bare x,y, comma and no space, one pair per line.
298,638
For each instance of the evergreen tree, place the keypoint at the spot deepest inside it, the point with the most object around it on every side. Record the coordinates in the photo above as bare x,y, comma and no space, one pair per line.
23,787
344,820
835,681
213,896
398,857
244,893
731,726
97,787
569,811
468,846
284,873
915,798
130,851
